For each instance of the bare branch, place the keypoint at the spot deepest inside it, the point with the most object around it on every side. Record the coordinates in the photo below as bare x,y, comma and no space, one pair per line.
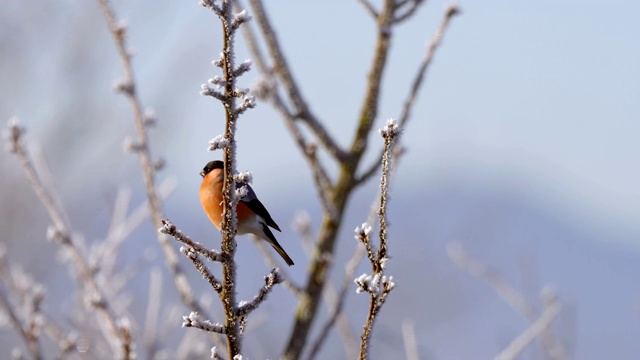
409,102
193,320
193,256
508,293
409,11
369,7
531,333
170,229
504,289
449,13
303,112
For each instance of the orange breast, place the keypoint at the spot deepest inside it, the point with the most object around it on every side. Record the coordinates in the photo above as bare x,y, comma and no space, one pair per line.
211,200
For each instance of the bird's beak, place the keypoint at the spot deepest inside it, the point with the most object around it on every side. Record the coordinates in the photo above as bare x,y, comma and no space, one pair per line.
202,173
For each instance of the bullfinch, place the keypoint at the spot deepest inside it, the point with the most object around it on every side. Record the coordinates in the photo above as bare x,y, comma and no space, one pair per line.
253,217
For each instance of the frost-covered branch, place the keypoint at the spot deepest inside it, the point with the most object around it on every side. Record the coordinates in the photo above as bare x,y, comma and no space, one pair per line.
194,321
235,102
193,256
377,285
246,307
171,230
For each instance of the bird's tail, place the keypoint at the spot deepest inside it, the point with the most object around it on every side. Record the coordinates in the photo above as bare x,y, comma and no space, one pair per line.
272,240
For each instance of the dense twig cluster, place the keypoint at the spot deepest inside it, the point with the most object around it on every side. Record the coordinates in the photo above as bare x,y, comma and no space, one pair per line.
92,289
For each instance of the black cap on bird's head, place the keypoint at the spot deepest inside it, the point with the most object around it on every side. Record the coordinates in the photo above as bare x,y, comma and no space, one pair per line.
211,165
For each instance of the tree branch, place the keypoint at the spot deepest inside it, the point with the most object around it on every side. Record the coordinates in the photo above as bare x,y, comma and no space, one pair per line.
303,112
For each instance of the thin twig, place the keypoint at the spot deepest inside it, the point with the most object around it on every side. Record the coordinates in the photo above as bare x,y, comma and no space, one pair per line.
411,9
170,229
369,7
508,293
513,350
303,111
377,285
418,79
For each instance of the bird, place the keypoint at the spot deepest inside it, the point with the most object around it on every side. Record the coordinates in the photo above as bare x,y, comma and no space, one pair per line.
253,217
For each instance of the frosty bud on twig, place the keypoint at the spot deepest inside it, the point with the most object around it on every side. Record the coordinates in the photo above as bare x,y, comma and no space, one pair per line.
130,145
149,118
218,142
249,102
207,91
217,81
123,86
193,320
362,231
244,176
390,130
243,68
159,164
56,235
12,134
240,18
220,62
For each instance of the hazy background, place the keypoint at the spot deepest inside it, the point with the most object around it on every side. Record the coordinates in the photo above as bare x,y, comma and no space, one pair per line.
523,147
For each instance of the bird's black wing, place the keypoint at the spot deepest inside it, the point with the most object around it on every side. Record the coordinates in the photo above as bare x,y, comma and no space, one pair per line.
252,202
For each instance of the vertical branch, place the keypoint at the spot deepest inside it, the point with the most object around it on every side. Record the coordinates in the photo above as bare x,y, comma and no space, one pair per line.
377,285
229,223
230,24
